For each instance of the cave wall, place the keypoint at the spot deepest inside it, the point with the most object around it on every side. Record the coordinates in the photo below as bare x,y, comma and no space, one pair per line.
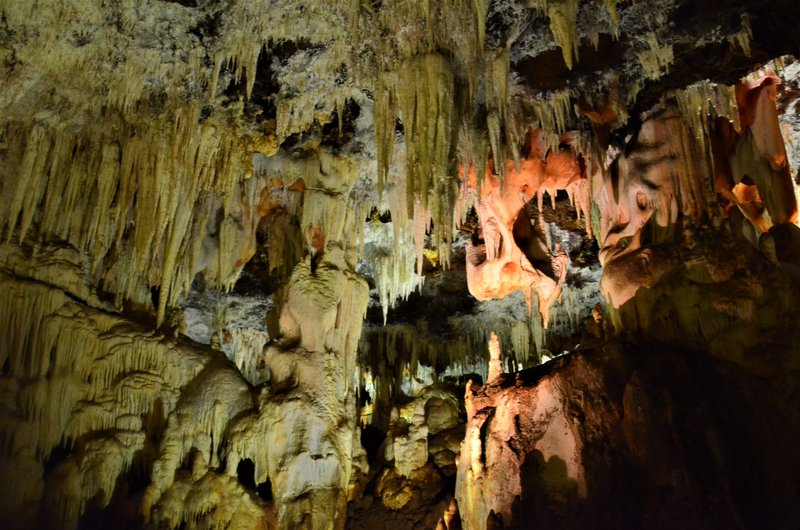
604,439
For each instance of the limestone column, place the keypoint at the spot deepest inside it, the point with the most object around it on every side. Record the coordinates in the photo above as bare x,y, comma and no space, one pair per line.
316,327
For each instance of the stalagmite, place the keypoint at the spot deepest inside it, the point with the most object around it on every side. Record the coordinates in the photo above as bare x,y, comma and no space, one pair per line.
315,330
495,361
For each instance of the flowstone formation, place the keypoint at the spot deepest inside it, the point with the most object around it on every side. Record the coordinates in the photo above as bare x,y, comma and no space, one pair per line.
253,253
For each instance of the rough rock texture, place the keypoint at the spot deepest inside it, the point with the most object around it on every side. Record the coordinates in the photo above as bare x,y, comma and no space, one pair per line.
677,262
322,160
412,474
81,423
630,436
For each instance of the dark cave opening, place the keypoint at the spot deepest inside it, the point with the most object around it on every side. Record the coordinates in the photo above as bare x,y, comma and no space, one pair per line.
371,439
245,473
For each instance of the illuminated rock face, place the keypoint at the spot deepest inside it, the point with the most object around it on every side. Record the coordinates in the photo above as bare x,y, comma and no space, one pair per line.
302,437
677,261
310,413
511,254
605,439
506,433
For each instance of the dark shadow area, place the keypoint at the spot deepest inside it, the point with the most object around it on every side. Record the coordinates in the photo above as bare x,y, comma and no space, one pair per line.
530,238
185,3
245,474
548,71
372,438
549,494
672,438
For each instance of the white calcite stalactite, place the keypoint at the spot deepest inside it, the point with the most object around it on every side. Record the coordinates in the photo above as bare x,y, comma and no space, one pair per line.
166,200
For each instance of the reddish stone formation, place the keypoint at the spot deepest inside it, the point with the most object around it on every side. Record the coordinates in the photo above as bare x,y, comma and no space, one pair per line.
660,189
513,254
628,437
758,178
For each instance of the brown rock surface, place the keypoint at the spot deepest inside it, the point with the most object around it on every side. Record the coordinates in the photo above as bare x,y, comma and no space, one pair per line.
630,436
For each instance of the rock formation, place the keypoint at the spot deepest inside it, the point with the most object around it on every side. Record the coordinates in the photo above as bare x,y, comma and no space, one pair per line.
602,439
253,253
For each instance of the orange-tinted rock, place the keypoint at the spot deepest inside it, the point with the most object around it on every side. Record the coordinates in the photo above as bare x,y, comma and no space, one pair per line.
513,255
627,437
760,153
683,265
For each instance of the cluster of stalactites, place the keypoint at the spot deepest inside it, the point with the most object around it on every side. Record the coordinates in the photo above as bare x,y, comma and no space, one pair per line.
563,15
69,42
422,94
309,93
393,353
451,96
394,267
150,206
655,57
699,105
744,162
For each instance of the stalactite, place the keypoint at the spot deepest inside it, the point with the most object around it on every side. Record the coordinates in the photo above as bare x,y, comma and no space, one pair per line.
611,5
655,58
394,352
497,121
698,105
551,115
151,198
481,10
563,16
742,38
385,112
427,110
394,266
